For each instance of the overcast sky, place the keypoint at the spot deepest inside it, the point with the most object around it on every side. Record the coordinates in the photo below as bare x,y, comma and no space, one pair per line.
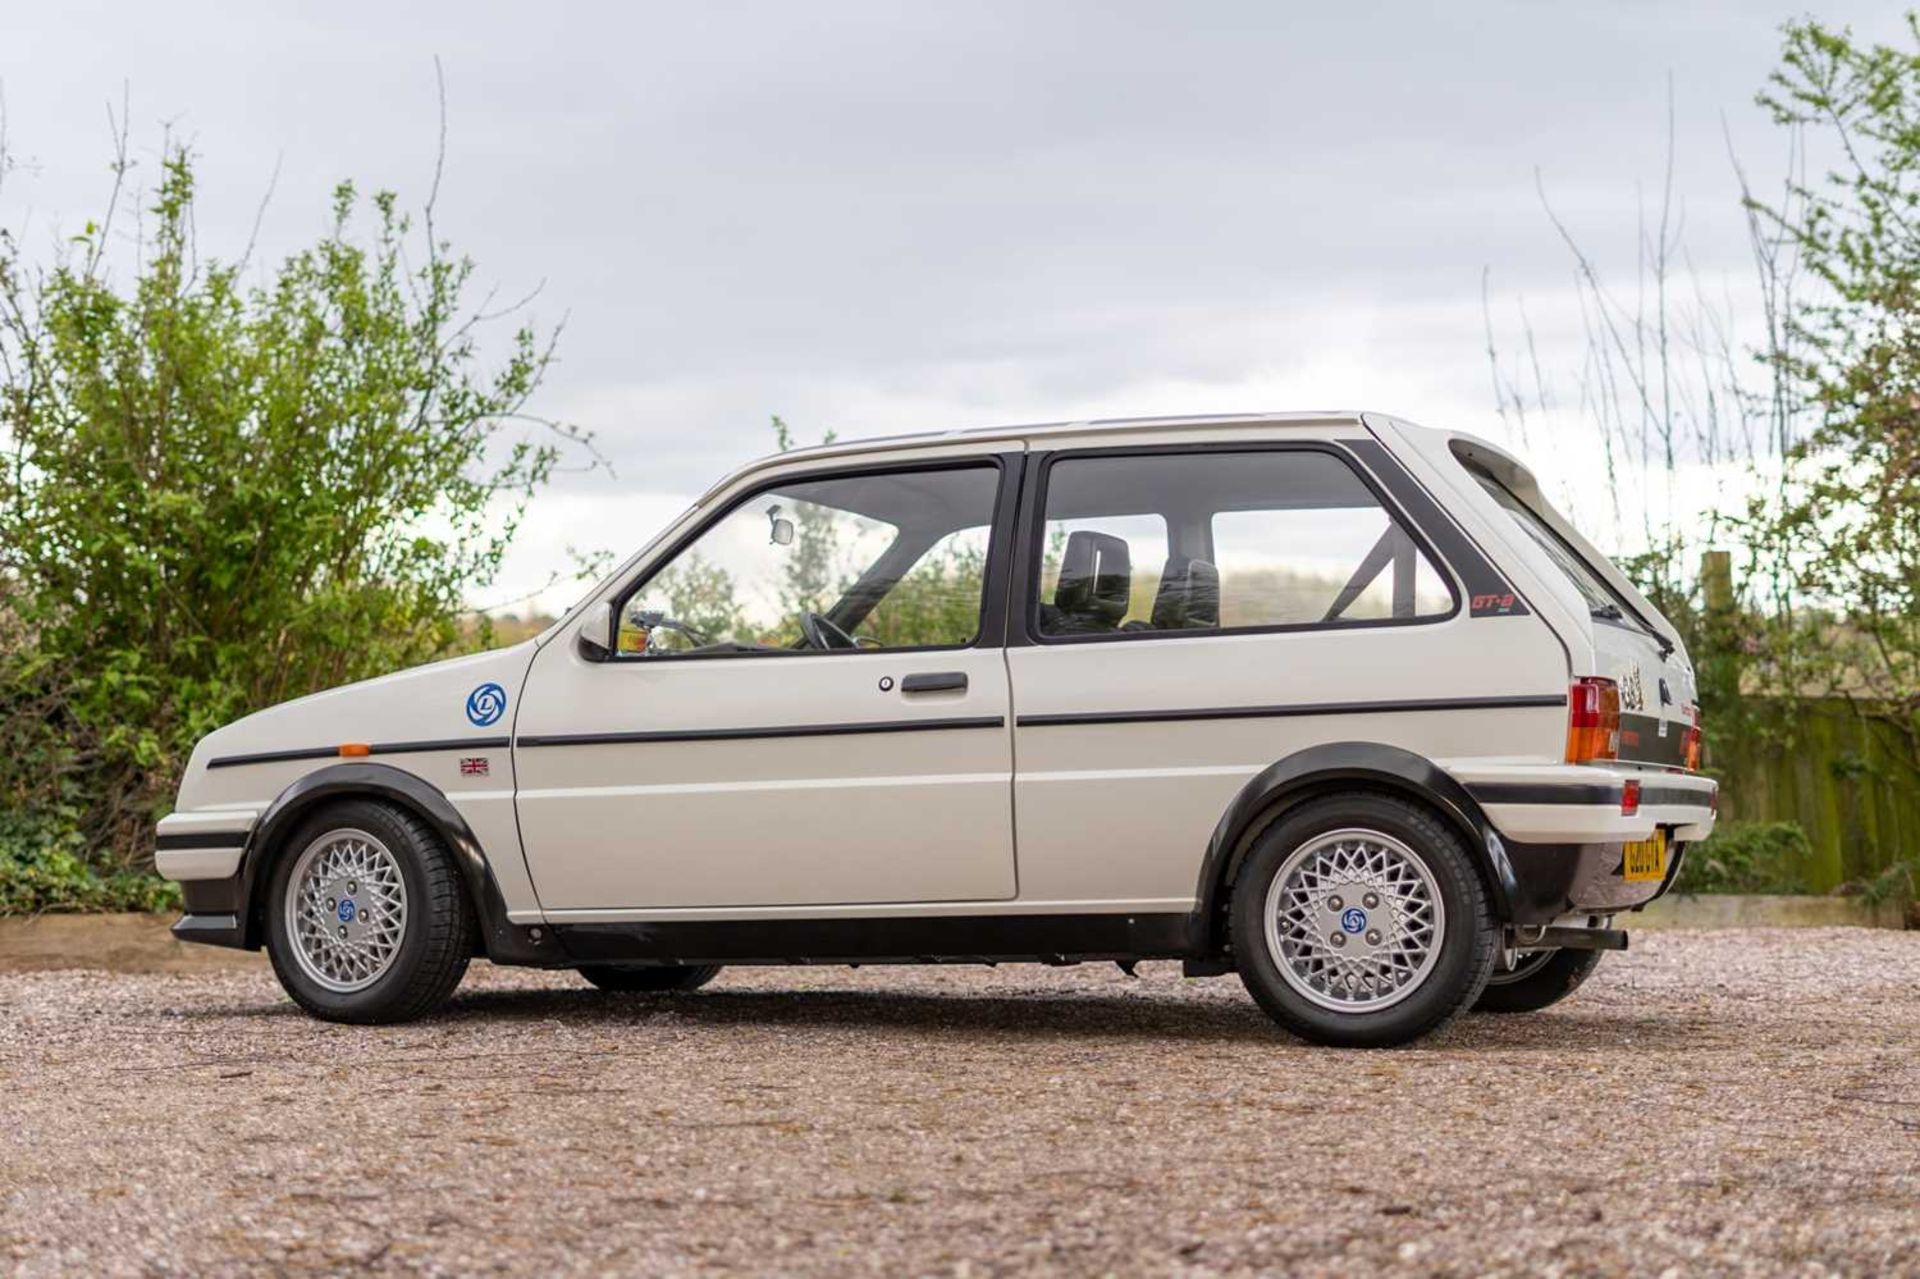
875,218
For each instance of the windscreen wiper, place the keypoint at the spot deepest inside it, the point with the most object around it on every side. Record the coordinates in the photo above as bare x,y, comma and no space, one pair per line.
1614,613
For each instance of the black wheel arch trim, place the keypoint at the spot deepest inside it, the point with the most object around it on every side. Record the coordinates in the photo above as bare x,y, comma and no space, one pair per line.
502,940
1331,767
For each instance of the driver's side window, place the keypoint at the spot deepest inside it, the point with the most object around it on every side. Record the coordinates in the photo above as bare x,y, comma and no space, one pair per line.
887,560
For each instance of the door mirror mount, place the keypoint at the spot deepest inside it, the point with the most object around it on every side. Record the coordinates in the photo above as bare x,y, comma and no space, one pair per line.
779,528
594,642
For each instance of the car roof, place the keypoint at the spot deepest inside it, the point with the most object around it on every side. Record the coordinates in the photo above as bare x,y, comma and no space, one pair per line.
1037,431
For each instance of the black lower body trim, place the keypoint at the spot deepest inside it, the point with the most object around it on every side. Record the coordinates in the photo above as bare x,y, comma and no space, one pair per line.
888,939
211,930
211,896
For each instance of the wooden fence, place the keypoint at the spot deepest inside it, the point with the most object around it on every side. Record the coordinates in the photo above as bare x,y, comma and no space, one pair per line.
1845,779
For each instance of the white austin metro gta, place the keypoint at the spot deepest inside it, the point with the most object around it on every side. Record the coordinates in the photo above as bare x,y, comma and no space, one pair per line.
1329,700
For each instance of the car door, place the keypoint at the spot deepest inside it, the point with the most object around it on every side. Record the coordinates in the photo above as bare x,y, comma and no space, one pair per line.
732,753
1192,615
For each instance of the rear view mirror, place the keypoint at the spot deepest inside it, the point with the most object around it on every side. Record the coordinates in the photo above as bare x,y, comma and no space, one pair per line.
780,529
595,638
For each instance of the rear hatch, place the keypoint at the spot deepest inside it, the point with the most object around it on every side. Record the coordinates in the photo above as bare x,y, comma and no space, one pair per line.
1657,695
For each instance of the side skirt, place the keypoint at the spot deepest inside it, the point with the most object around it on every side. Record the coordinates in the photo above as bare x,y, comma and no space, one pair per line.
936,939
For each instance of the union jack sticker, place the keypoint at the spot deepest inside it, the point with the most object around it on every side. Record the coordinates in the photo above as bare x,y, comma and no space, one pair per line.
473,766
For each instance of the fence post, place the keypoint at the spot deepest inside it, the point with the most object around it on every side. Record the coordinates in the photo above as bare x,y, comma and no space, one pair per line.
1716,583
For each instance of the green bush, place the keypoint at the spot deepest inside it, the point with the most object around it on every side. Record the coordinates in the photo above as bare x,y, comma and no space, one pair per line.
44,867
1747,857
223,485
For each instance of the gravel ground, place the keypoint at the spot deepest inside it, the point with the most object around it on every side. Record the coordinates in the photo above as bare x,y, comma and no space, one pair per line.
1710,1102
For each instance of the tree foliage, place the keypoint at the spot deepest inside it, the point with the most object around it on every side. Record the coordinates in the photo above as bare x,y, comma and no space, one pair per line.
217,494
1841,535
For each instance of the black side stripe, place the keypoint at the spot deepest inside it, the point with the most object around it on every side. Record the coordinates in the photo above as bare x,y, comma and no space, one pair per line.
207,839
1300,709
374,748
1584,793
748,734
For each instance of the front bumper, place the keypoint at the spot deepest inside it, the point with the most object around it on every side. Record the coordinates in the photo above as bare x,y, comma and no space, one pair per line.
209,845
203,852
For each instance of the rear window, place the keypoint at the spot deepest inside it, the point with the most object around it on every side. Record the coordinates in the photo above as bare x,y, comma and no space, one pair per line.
1602,600
1151,543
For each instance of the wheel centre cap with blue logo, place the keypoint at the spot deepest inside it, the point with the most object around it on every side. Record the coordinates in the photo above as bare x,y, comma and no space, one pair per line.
1355,917
346,910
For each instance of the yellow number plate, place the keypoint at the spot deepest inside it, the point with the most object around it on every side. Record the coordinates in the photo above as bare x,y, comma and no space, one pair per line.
1646,858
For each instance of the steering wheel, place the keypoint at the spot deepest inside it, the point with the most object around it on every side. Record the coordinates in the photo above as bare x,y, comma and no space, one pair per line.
824,633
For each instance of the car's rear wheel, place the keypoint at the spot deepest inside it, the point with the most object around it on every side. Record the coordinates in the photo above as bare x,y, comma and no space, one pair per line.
1359,920
657,979
1539,980
367,918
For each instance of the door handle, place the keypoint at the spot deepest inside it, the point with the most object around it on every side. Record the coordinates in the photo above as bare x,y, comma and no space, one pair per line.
935,682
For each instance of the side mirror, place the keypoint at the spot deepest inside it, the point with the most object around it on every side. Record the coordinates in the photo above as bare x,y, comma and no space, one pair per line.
779,528
594,640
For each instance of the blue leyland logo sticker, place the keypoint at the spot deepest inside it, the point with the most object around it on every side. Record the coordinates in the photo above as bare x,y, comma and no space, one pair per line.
1354,920
486,704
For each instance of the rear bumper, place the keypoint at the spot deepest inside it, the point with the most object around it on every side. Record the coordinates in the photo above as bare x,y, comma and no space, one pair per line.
1554,880
1580,803
1563,835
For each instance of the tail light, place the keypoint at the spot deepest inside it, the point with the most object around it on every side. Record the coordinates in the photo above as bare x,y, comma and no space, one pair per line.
1630,797
1593,720
1693,743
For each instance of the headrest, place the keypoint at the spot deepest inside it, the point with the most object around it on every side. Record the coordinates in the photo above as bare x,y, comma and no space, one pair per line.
1189,596
1203,594
1096,577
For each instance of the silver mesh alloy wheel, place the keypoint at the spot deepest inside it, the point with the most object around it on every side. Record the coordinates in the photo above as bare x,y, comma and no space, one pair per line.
346,910
1354,921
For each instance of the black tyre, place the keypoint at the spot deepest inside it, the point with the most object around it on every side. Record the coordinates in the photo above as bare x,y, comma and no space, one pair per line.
1541,979
1359,920
657,979
367,918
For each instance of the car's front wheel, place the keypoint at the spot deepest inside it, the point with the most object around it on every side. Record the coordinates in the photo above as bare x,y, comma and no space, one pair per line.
655,979
1359,920
367,918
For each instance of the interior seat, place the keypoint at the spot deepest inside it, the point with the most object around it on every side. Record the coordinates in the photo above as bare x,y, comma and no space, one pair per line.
1188,598
1096,584
1202,597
